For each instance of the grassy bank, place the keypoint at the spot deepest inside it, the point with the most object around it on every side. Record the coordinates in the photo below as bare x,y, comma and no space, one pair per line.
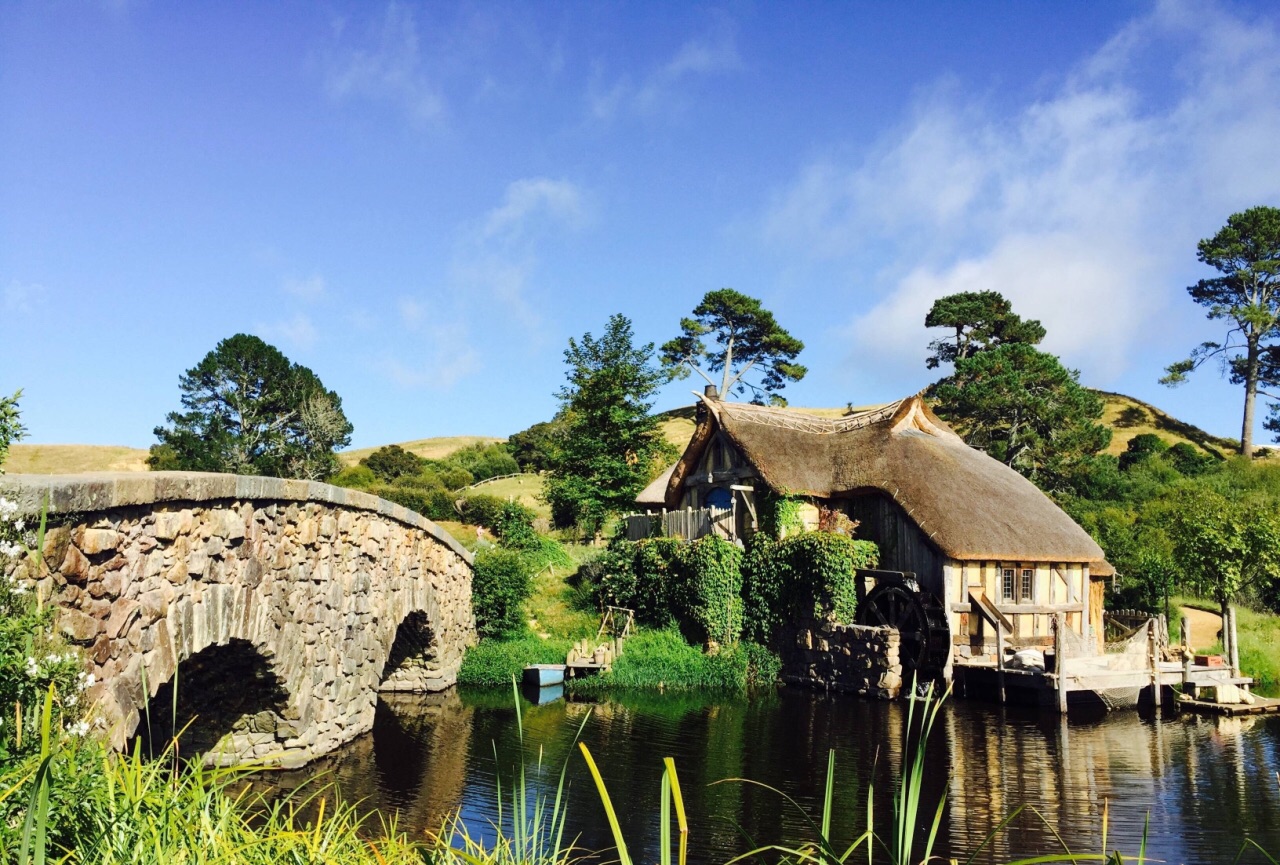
1259,634
663,661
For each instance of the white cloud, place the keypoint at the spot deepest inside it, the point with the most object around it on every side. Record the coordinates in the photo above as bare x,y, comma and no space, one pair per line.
298,332
388,69
659,90
533,198
310,288
443,357
21,297
1083,208
498,258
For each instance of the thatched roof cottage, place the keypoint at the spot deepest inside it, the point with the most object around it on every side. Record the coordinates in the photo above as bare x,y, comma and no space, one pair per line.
976,534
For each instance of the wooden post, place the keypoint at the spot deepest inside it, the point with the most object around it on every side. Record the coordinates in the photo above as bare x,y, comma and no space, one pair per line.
1153,641
1235,647
1000,657
1060,660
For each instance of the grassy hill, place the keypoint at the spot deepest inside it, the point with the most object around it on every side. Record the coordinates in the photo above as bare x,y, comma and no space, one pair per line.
432,449
1129,417
1126,416
73,459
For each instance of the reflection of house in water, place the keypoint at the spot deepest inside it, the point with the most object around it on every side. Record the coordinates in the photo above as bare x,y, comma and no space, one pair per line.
1197,786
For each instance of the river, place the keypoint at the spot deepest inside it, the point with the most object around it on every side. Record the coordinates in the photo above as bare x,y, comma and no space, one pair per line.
1197,786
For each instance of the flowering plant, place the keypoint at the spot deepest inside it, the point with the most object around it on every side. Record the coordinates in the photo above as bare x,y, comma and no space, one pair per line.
33,658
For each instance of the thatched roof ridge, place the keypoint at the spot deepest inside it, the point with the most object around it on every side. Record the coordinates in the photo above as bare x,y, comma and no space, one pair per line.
971,506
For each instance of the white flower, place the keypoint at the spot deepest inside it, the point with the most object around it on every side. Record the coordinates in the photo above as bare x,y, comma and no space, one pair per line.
79,728
33,669
88,681
20,525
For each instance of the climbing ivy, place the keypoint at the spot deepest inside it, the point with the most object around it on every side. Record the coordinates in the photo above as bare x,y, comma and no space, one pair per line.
715,593
712,567
779,513
806,575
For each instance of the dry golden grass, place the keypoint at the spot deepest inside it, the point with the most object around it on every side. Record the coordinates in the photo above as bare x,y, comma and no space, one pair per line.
1129,417
73,459
432,449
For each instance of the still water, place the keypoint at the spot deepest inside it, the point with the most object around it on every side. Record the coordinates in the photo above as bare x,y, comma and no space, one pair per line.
1200,786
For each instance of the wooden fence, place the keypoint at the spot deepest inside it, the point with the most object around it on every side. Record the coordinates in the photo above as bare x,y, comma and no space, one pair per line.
690,524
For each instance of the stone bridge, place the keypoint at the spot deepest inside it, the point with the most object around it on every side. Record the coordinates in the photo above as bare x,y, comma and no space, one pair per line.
256,617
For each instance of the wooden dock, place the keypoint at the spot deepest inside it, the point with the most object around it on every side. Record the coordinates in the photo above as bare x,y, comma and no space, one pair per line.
1259,706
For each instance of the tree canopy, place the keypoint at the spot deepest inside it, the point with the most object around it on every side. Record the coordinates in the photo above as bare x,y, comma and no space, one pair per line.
249,410
981,320
749,338
611,444
1023,407
1246,252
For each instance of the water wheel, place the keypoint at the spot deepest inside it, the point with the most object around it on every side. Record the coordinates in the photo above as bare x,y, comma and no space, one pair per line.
919,618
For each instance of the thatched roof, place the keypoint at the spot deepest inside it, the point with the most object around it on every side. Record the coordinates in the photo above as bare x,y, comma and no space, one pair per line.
655,495
971,506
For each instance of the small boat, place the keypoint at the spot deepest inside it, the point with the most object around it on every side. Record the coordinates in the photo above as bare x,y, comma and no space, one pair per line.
541,675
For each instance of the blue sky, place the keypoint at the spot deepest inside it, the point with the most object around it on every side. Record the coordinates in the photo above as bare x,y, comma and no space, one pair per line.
423,202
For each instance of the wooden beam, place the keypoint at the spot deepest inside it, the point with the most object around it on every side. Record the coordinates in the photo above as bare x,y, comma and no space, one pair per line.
981,604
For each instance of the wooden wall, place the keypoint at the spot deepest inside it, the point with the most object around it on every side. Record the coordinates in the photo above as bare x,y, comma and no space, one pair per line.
903,546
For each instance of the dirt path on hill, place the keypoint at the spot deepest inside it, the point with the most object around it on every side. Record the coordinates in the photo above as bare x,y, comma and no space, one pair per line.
1204,627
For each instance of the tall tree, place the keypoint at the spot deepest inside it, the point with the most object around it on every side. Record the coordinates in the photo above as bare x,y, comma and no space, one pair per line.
1246,251
748,338
611,442
249,410
981,320
1023,407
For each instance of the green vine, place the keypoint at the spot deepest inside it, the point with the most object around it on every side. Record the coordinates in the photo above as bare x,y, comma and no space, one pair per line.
779,513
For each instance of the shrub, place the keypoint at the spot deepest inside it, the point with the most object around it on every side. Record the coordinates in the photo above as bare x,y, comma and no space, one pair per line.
500,584
483,460
1142,447
1189,460
514,526
482,510
357,477
391,462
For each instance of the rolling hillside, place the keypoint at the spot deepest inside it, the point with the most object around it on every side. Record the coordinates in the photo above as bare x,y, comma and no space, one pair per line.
1126,416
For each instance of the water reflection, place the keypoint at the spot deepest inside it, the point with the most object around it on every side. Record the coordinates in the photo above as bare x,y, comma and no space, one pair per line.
1204,784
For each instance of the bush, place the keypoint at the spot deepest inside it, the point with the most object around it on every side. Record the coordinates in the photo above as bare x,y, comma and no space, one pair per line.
1142,447
500,584
482,461
482,510
391,462
1189,460
493,662
357,477
514,526
433,503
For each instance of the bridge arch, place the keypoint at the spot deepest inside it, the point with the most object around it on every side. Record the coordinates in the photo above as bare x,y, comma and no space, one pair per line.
334,592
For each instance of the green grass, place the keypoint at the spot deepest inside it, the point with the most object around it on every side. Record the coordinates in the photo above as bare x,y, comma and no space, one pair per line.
492,663
1259,634
662,660
525,489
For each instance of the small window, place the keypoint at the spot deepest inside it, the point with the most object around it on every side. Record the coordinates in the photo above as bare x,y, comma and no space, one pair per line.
1028,583
1007,587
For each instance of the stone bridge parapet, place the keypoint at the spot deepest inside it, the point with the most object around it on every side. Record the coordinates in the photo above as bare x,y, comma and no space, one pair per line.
276,609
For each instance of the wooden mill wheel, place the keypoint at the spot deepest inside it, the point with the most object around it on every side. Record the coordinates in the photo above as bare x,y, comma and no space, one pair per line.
919,618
